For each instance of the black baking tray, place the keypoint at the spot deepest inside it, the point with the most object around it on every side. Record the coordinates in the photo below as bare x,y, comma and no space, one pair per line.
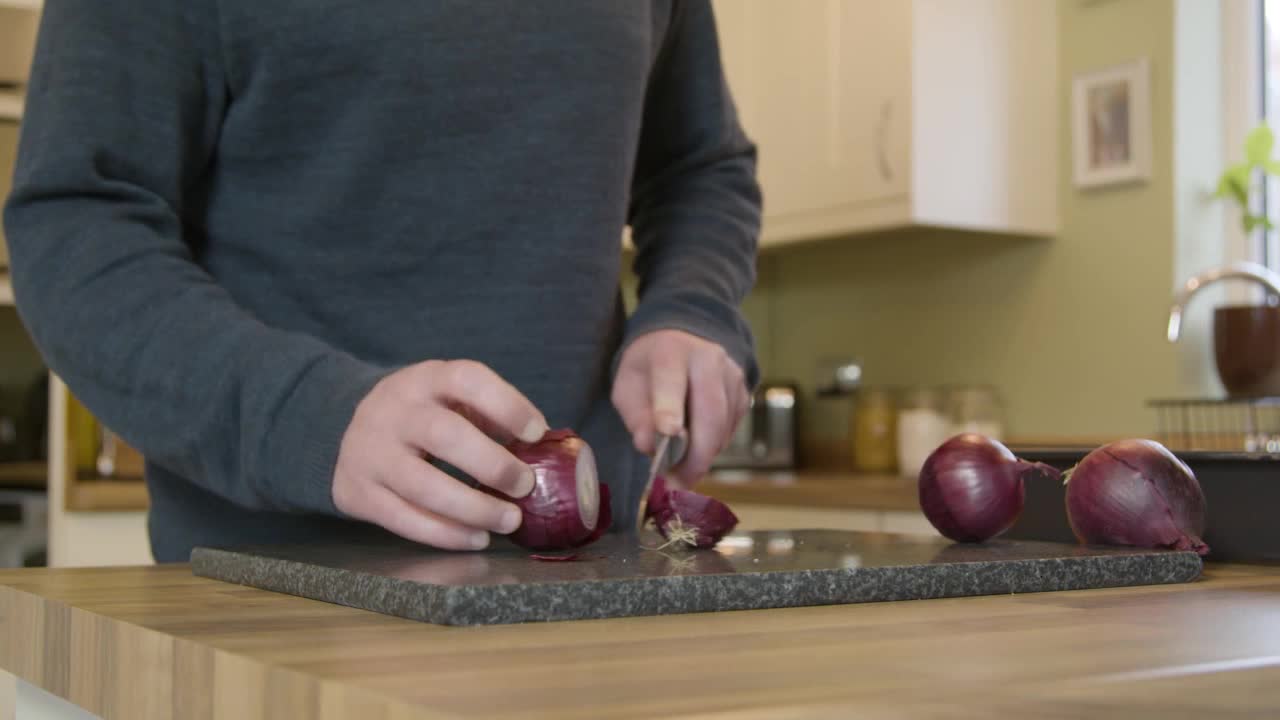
1242,501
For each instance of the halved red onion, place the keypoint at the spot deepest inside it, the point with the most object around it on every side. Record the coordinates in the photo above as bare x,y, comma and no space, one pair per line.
1136,492
971,487
569,506
684,516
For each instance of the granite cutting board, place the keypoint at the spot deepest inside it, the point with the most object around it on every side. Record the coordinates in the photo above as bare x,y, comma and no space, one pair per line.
618,577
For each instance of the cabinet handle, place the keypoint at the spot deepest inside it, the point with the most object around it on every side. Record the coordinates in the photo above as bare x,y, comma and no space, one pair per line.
882,141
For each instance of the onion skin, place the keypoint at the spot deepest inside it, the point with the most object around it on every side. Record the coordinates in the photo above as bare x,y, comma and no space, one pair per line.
687,516
971,488
551,520
1137,493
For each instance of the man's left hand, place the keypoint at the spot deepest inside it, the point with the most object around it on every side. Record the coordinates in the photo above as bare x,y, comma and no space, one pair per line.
666,371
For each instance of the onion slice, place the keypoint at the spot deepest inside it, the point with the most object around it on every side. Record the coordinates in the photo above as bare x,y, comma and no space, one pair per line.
569,506
686,517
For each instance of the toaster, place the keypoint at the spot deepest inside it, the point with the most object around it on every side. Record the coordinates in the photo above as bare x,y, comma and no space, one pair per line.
766,437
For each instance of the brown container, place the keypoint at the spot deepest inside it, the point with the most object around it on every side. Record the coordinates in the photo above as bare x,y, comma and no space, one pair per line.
1246,341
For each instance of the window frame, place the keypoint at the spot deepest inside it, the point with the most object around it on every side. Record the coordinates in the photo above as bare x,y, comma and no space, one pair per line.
1244,81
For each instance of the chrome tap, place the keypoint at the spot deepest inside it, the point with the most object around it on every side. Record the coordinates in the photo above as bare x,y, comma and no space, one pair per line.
1245,270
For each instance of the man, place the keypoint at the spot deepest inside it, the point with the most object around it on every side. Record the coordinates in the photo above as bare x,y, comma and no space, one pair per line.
304,254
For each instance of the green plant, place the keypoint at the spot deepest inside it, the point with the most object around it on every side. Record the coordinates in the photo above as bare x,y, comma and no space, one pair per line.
1236,180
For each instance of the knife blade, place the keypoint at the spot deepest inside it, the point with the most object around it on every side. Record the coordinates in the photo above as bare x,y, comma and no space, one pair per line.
668,451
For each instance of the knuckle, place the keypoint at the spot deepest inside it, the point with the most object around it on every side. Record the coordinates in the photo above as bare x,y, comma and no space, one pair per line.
438,430
503,470
459,374
414,382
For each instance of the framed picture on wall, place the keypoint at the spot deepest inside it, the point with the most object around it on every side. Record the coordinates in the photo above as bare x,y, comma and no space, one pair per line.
1111,125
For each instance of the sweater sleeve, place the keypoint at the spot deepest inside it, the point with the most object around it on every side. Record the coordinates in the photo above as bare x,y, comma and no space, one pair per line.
695,210
122,117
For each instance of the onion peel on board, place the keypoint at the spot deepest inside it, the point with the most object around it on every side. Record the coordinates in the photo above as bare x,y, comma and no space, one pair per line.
684,517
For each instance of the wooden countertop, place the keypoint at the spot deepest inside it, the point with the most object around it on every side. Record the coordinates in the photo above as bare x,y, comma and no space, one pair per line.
813,489
157,642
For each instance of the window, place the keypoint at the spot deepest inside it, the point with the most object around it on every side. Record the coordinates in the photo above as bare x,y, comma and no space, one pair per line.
1265,247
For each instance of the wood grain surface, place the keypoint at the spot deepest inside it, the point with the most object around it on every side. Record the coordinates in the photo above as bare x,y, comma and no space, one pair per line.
157,642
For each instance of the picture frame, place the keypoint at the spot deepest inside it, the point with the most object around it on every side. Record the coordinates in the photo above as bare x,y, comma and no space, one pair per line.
1111,125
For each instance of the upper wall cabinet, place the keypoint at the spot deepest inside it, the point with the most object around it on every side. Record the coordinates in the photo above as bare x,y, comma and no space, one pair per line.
19,21
874,114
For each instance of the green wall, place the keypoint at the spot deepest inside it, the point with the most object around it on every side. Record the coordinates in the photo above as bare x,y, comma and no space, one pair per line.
1070,330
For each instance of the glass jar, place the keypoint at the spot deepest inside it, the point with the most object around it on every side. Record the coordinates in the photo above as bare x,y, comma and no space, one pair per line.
874,424
923,425
977,409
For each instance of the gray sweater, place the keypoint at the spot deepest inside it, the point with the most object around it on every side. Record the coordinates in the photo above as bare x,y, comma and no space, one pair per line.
231,218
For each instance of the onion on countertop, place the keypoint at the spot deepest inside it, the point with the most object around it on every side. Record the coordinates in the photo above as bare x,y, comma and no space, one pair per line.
972,489
1136,492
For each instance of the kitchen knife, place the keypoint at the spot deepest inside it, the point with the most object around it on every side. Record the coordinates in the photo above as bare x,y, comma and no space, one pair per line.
669,451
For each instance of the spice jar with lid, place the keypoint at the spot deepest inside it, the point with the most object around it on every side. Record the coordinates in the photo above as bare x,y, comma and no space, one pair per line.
977,409
923,425
874,426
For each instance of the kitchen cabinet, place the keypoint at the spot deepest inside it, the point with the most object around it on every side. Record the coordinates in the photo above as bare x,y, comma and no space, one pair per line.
19,25
877,114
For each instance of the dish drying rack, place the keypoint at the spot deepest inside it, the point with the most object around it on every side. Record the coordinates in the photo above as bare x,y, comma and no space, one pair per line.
1219,424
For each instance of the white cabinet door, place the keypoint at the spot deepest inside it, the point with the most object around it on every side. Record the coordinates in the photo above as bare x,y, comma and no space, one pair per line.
869,130
823,87
889,113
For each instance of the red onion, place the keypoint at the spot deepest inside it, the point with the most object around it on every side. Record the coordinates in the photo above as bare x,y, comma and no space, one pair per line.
569,506
1138,493
684,516
971,487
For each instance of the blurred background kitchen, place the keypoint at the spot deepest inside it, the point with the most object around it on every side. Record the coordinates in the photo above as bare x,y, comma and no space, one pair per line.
978,216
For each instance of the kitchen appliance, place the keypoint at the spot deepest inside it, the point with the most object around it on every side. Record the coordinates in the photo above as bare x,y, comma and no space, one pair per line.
24,527
622,576
767,436
24,421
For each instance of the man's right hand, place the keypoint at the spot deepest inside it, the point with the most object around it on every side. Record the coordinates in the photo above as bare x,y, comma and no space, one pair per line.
458,411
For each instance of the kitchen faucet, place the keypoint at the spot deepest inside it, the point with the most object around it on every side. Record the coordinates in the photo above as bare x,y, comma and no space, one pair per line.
1246,270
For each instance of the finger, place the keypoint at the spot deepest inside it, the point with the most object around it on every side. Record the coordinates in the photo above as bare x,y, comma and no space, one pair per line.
444,434
631,398
668,386
500,405
394,513
709,415
736,391
428,488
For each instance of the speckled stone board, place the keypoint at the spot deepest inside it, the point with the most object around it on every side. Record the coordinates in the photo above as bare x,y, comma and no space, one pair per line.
621,576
